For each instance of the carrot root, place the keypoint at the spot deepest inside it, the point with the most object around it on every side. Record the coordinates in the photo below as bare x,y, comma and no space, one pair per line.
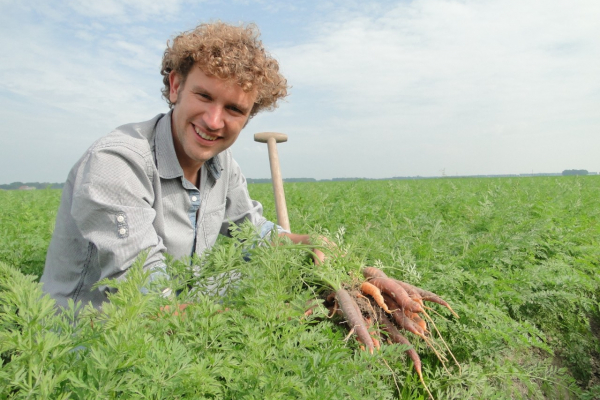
444,342
394,290
372,272
354,318
427,296
396,337
375,293
400,305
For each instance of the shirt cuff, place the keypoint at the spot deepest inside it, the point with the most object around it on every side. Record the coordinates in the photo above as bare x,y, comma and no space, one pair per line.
267,227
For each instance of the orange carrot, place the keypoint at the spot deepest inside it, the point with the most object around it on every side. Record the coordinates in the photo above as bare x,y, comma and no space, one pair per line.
428,296
310,307
394,290
396,337
354,318
376,343
411,290
373,291
407,324
416,319
402,320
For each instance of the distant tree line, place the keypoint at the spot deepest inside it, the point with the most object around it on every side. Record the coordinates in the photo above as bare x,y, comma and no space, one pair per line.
567,172
37,185
268,180
575,172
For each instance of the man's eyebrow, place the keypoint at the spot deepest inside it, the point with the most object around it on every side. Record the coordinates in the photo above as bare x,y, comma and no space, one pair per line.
197,88
244,110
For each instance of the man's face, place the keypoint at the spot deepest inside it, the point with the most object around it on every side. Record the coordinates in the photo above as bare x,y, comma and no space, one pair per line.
208,115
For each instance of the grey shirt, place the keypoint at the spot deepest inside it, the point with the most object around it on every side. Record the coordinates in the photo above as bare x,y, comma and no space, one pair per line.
128,194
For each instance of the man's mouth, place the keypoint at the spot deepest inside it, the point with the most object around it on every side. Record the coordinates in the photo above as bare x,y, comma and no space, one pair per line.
204,135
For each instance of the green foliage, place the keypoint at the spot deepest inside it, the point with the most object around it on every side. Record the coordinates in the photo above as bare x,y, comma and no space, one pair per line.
516,258
253,343
26,226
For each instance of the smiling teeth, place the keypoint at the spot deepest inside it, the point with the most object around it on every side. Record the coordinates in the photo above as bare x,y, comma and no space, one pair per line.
203,135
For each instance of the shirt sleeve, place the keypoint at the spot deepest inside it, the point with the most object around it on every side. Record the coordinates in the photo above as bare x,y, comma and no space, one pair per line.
112,208
267,227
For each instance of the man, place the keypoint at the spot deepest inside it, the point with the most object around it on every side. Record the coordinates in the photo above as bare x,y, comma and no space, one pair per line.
170,184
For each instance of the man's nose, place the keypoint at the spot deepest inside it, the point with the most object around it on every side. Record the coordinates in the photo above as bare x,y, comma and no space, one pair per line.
213,117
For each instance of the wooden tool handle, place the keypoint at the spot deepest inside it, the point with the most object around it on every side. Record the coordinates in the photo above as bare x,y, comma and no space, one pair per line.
271,139
280,205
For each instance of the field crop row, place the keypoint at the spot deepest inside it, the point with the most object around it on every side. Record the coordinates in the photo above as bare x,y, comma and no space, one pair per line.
517,258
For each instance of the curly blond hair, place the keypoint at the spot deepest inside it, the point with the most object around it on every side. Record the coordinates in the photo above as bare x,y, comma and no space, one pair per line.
227,52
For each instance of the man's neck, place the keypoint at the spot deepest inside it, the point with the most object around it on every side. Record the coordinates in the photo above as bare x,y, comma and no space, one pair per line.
193,176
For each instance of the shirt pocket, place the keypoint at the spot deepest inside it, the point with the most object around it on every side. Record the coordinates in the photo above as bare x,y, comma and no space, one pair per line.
211,224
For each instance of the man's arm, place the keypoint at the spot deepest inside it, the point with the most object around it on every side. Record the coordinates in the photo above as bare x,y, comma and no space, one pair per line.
112,208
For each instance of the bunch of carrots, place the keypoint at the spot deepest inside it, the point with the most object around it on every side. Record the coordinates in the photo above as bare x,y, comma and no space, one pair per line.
391,306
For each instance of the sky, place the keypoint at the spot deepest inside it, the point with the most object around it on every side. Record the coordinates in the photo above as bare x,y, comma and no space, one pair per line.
379,89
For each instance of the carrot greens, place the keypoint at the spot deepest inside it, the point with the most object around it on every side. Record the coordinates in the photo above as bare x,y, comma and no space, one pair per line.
516,258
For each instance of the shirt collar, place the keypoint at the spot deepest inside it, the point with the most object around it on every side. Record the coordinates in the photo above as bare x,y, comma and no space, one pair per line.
166,158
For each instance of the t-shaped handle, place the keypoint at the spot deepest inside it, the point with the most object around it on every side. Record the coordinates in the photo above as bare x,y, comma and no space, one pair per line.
271,139
264,137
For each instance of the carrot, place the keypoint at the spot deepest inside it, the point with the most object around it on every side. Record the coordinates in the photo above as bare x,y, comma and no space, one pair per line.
402,320
427,296
372,272
411,290
354,318
376,343
310,307
374,333
414,317
407,324
373,291
393,289
396,337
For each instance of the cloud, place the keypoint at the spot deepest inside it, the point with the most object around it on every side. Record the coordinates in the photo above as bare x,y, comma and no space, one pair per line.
127,11
67,81
383,88
452,49
95,71
437,75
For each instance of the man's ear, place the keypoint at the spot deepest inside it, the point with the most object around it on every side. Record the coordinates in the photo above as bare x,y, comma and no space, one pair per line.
174,83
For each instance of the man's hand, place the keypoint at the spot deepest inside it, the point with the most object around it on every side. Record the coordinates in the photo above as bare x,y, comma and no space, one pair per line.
319,256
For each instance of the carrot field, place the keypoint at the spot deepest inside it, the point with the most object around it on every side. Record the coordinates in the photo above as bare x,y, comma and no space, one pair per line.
517,259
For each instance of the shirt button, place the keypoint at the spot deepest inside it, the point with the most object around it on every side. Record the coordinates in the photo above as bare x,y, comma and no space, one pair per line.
194,198
122,231
120,218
